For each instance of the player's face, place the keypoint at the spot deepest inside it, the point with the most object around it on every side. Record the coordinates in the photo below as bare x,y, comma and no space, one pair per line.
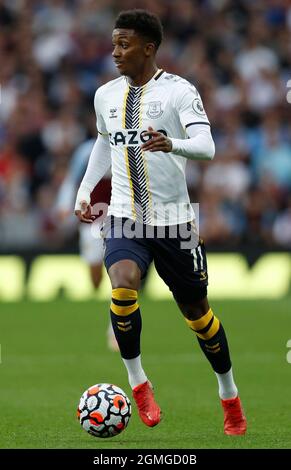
129,52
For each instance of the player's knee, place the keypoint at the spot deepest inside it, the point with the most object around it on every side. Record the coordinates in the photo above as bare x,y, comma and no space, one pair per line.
196,309
123,282
124,274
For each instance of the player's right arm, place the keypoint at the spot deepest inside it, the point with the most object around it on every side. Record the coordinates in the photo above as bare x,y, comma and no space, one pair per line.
98,165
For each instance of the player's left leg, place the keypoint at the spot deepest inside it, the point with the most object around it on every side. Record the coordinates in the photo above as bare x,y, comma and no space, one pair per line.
213,342
184,270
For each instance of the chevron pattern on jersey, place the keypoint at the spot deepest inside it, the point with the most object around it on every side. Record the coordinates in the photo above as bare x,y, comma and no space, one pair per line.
136,162
132,108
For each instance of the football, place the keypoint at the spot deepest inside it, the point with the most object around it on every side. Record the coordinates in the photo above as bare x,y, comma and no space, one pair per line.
104,410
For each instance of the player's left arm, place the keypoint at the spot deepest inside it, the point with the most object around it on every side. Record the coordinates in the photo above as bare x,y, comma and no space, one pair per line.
199,145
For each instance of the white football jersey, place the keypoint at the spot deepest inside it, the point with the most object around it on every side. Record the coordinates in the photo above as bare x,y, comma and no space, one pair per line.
148,186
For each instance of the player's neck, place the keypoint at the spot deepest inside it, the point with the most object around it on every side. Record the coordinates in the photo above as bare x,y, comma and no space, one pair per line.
143,76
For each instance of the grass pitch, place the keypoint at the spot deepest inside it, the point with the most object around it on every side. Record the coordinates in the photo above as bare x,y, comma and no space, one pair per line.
50,353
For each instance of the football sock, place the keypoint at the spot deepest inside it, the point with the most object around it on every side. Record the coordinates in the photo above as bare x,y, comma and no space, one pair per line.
136,374
126,321
227,388
212,340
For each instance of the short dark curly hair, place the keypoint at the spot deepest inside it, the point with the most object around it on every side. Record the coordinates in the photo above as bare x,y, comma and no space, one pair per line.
143,22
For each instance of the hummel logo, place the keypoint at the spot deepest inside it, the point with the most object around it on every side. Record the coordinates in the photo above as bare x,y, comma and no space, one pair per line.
113,113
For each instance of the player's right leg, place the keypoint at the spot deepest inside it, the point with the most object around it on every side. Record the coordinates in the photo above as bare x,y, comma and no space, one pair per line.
127,324
126,260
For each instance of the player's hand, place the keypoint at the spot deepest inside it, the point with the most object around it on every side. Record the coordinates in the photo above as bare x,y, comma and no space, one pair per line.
85,214
157,143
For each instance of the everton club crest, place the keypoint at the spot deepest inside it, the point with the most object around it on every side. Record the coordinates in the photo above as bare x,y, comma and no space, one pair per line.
154,109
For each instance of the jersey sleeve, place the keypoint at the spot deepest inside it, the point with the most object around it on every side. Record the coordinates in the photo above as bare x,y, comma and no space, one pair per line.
98,105
190,107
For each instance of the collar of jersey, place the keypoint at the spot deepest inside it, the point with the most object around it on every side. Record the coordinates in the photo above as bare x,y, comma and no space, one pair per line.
147,83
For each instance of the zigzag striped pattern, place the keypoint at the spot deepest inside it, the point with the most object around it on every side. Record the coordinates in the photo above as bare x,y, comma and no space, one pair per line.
135,158
132,108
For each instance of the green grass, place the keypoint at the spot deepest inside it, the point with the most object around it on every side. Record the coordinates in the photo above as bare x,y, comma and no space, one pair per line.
52,352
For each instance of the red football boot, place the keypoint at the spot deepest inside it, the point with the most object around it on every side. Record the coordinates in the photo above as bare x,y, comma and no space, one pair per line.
235,422
148,409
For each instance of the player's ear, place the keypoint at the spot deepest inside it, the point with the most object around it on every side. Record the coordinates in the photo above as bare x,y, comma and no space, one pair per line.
149,49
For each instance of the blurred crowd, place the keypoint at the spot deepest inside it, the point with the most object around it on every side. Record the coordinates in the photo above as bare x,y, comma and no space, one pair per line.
55,53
